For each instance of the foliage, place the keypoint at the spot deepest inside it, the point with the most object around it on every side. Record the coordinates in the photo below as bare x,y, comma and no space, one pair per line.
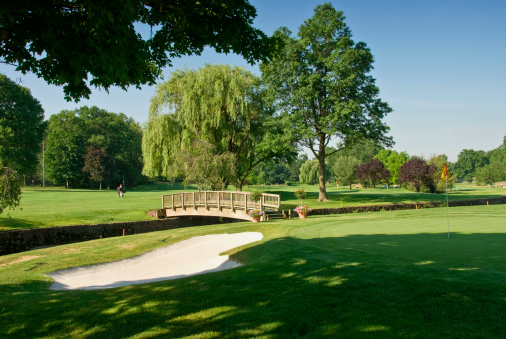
96,163
372,172
10,188
270,172
321,84
222,105
309,172
393,162
491,173
302,209
418,175
72,135
65,148
363,151
498,155
255,213
200,164
300,194
21,127
345,169
256,195
439,161
468,162
98,39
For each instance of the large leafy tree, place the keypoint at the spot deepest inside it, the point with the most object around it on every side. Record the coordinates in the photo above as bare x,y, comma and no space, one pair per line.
70,42
498,155
97,164
345,169
201,165
393,162
309,172
372,172
10,188
468,162
363,151
65,148
418,175
321,83
221,105
491,173
106,145
21,127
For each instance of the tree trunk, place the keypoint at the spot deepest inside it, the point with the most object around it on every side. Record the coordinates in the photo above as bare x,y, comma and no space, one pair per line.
321,176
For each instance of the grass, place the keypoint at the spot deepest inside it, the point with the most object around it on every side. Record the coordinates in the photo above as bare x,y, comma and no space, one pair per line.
373,196
58,207
378,275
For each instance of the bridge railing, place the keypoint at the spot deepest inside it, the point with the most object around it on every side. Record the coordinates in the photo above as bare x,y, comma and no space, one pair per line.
219,199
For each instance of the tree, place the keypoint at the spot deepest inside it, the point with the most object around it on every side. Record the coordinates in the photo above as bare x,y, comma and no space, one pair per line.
21,127
65,147
372,172
418,175
345,169
96,163
498,155
363,151
222,105
320,82
393,162
98,39
206,168
468,162
439,162
309,172
10,188
491,173
71,133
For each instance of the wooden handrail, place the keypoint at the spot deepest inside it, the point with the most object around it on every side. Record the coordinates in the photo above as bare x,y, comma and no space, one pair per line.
232,199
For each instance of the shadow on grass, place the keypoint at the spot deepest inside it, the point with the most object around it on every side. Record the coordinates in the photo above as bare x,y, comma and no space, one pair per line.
18,223
292,287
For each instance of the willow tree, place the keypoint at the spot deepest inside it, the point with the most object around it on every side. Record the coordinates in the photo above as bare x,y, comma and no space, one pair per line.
320,82
218,104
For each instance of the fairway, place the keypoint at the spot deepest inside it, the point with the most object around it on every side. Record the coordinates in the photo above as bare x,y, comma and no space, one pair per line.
384,274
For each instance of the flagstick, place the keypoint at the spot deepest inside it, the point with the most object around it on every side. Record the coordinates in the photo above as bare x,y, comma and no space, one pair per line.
447,217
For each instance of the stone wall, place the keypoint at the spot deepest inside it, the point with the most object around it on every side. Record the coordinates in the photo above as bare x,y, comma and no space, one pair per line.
22,240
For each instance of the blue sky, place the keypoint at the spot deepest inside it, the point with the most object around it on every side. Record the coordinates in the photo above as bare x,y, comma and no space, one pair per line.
441,65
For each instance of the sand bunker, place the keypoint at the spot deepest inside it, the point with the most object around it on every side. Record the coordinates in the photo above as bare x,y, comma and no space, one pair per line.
194,256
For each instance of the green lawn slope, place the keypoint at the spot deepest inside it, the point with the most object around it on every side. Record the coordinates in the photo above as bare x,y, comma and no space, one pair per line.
369,275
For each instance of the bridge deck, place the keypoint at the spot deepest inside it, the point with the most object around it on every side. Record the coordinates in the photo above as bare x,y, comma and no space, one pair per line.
217,203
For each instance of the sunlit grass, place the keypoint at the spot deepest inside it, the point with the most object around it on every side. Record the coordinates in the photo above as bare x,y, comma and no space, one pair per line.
382,275
58,206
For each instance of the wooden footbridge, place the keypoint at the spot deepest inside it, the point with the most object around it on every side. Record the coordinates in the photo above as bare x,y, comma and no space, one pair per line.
225,204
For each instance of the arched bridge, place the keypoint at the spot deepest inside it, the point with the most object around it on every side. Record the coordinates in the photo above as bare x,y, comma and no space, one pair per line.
225,204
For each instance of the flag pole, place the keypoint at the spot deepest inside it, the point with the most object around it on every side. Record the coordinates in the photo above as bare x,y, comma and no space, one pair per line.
447,217
444,176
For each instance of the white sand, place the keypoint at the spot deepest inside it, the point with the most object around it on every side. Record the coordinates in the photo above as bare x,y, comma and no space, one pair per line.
189,257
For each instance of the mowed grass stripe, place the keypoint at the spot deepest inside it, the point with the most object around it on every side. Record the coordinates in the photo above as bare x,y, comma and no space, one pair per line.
381,275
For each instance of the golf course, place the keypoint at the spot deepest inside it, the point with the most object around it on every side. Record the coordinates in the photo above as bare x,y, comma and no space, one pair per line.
360,275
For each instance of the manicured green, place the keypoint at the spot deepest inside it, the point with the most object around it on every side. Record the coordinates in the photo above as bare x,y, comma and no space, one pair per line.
57,206
378,275
374,196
